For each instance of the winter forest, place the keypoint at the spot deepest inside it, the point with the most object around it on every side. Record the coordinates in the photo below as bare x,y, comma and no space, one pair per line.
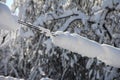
60,40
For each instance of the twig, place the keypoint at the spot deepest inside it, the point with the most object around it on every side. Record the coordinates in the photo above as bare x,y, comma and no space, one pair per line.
64,72
41,28
29,25
65,16
15,71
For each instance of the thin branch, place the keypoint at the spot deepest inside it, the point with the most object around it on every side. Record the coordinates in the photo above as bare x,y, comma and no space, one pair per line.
43,30
64,72
29,25
15,71
65,16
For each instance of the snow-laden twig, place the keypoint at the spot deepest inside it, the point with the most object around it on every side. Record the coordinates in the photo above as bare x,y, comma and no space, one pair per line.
67,13
41,29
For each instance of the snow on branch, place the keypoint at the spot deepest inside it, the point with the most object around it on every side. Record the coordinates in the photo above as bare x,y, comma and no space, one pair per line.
53,16
41,29
81,45
7,22
75,43
111,4
71,19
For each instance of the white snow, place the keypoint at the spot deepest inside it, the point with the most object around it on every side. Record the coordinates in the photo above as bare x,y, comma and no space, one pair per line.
51,16
116,1
8,78
110,3
107,3
75,43
46,78
89,63
41,71
81,16
118,7
48,44
96,8
7,21
25,34
10,36
97,16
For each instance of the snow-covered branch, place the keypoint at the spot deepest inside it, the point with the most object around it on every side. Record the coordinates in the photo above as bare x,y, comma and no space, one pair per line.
7,22
53,16
75,43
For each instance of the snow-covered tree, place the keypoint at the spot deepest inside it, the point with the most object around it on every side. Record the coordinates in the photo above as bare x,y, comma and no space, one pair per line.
32,55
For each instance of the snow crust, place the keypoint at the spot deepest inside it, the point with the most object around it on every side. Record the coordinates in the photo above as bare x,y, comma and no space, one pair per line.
75,43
